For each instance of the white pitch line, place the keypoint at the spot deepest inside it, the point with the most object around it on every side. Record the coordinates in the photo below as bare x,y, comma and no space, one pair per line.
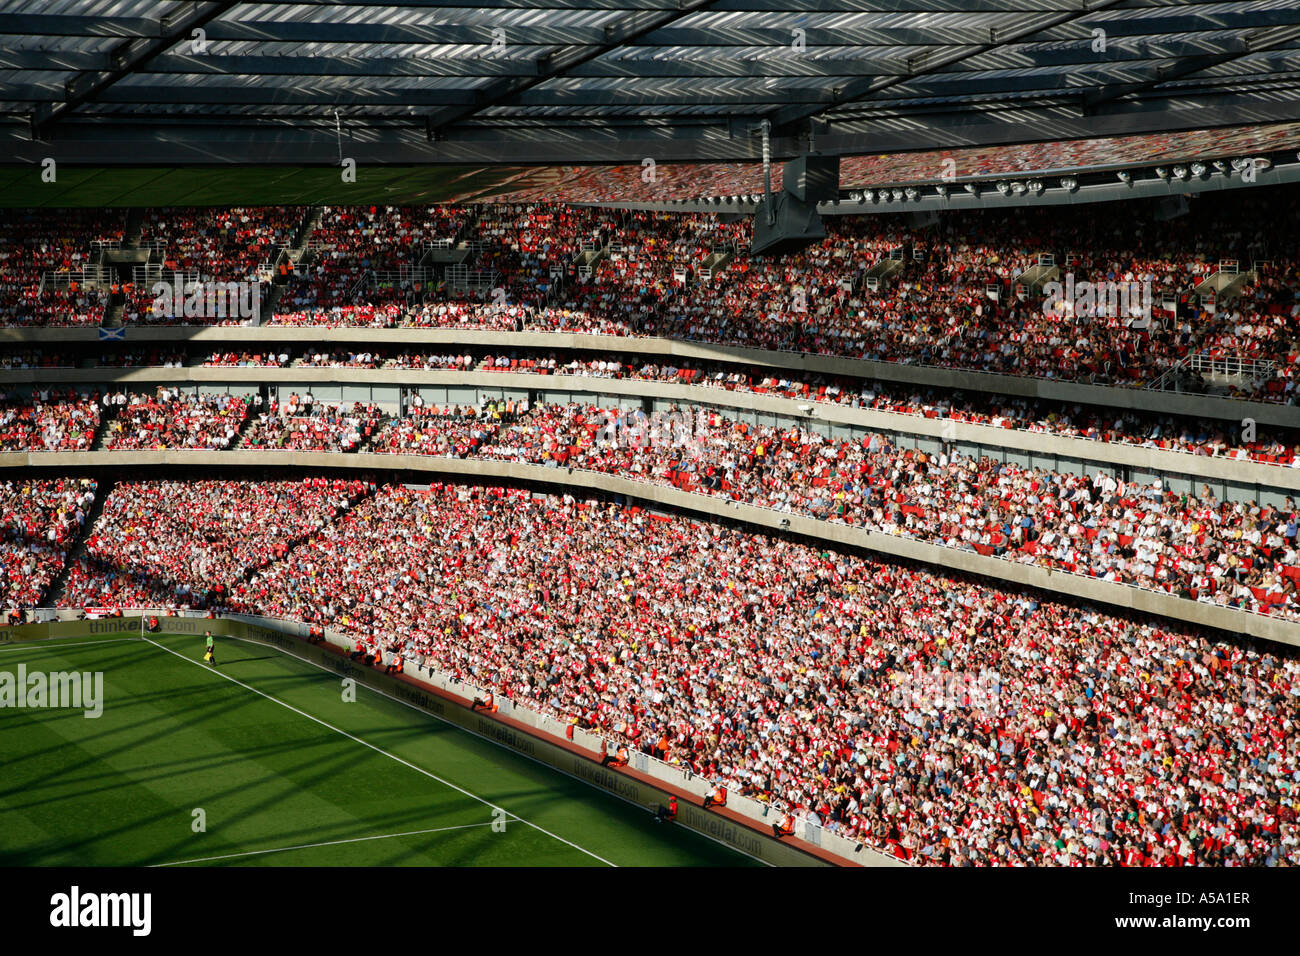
366,743
32,645
310,846
518,753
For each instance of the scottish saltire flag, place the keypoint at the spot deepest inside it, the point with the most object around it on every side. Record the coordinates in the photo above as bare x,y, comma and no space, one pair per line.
113,335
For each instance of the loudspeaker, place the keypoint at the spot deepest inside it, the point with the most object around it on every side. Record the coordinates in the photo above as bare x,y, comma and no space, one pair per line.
797,224
813,179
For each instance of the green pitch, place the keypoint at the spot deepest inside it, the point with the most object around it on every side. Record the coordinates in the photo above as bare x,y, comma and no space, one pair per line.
281,771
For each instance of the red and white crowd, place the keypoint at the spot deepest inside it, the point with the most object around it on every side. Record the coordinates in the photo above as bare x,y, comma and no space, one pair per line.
315,426
39,524
955,302
49,420
186,543
271,358
1235,553
172,419
934,717
42,257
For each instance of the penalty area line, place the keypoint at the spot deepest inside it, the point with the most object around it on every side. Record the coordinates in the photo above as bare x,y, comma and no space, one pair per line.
310,846
380,750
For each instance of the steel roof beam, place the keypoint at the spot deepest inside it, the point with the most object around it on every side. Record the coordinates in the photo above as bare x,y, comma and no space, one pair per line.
562,61
1247,45
125,58
866,87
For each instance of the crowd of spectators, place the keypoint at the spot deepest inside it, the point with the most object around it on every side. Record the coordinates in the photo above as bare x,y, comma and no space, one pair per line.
932,716
344,358
468,315
365,256
143,357
1237,554
446,430
696,181
430,362
320,426
271,358
41,244
375,316
39,523
29,358
173,419
1234,553
219,245
49,420
955,302
185,543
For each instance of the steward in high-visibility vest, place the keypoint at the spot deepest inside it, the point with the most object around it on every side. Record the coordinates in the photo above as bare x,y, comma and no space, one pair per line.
785,828
718,798
618,759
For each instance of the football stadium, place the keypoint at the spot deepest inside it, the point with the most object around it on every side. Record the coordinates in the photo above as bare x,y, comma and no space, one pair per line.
649,433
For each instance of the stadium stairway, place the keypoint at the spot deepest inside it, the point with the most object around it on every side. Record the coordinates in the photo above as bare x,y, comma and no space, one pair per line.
310,220
54,594
132,230
298,256
244,426
106,414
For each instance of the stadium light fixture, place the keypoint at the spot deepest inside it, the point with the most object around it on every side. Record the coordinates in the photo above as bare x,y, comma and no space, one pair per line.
1180,172
912,193
898,195
1221,166
942,190
1069,183
1198,170
1004,187
856,196
1125,177
1239,164
1019,188
869,196
1036,186
972,188
1162,172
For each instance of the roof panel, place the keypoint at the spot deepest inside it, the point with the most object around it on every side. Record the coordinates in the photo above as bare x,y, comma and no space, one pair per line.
521,74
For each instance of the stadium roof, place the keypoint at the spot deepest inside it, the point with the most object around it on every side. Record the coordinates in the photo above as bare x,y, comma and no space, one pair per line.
142,82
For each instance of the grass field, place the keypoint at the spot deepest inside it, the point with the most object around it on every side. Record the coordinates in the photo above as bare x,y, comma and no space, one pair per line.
286,773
